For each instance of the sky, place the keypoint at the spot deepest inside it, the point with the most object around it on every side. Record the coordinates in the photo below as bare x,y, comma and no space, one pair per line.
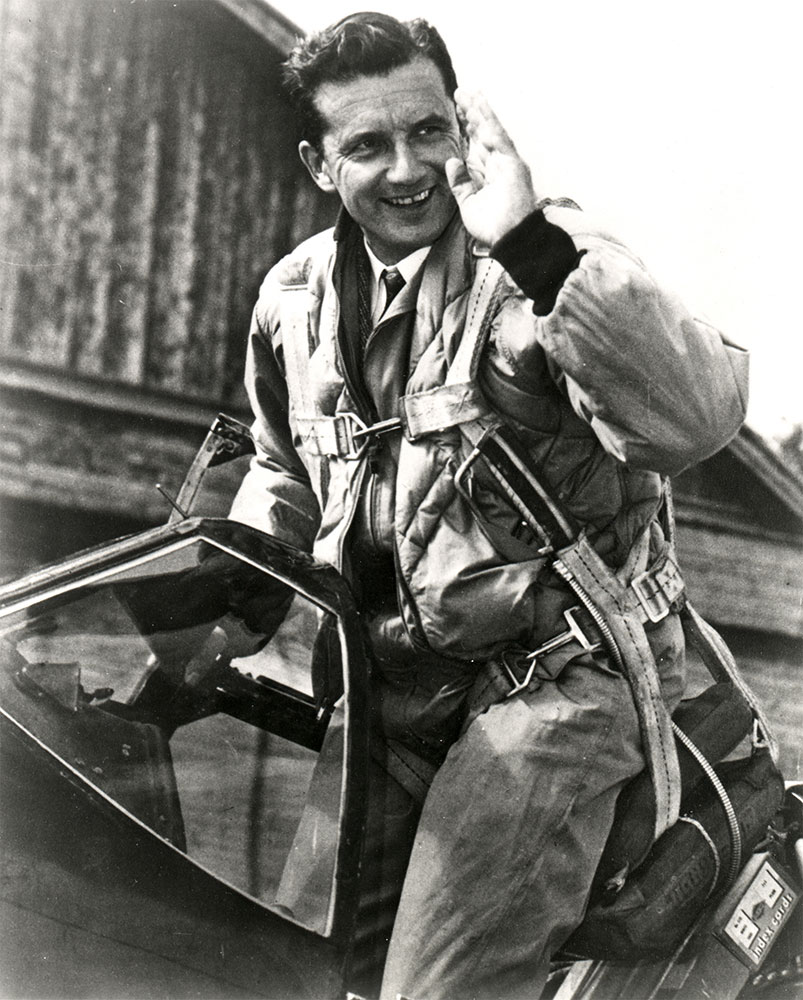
672,124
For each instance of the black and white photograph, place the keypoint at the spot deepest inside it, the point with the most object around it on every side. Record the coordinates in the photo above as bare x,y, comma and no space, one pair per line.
401,501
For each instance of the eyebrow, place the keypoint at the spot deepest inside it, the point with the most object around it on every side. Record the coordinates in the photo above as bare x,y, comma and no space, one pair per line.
357,137
434,118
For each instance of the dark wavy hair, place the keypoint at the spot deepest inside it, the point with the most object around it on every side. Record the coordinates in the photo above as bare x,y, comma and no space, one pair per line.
363,44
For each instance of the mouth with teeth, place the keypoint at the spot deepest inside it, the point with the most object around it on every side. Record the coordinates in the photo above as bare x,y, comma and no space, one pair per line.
412,200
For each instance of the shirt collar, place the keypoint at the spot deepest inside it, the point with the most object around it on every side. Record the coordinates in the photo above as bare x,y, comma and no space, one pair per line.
408,267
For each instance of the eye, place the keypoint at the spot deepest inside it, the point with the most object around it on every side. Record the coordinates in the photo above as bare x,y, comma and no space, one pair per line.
366,146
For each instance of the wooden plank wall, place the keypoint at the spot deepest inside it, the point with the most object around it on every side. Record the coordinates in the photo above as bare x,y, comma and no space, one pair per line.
743,582
148,179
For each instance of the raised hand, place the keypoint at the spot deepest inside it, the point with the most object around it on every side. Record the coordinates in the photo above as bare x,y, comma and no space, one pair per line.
493,187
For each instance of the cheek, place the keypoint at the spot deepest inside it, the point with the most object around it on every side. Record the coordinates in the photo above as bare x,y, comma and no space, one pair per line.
355,183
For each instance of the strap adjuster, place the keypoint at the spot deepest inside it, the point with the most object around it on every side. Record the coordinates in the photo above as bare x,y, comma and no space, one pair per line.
574,633
336,435
345,434
658,588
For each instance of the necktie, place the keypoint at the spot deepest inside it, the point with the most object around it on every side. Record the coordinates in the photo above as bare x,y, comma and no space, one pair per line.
393,282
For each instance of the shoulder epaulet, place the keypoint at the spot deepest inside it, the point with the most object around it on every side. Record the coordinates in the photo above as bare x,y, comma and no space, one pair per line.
295,271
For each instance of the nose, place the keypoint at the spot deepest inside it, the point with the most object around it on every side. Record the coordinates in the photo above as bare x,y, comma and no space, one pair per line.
405,167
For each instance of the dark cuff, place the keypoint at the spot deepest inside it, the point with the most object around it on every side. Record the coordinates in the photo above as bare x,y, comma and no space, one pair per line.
538,256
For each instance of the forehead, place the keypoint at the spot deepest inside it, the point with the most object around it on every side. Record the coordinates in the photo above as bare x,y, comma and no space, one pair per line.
406,94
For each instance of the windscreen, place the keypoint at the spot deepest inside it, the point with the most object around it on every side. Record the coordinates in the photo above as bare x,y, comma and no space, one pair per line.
186,685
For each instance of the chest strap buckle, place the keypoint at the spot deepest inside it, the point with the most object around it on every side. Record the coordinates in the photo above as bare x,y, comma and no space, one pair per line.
345,435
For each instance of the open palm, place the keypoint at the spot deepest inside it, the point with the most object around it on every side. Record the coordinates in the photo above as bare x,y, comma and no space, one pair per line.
492,187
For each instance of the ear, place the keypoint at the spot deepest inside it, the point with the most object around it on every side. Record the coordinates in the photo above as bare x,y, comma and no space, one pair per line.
316,165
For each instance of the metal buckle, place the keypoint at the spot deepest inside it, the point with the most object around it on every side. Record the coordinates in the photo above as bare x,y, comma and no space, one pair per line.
380,427
574,633
345,427
517,685
347,436
657,589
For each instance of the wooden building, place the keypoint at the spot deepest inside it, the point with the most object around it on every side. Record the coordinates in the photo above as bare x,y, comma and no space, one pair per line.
148,180
740,540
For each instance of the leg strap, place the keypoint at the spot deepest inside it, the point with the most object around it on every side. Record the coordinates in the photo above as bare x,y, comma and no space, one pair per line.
622,617
412,772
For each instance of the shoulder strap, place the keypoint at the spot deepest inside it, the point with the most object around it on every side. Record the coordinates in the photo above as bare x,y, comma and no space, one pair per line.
488,279
298,345
297,341
459,399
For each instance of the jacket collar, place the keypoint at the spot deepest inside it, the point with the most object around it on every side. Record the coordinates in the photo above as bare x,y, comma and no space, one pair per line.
446,275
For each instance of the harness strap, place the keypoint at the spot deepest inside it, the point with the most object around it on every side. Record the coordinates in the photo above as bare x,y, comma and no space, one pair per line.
456,402
459,401
489,278
516,670
509,464
444,406
616,604
294,310
343,435
410,770
720,663
619,614
298,347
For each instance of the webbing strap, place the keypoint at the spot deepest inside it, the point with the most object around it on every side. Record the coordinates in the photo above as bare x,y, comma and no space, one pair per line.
441,407
488,277
293,307
344,435
297,345
589,577
412,772
507,461
458,401
496,443
720,663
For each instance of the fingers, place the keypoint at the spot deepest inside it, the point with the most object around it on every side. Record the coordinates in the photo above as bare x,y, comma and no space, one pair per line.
460,181
481,124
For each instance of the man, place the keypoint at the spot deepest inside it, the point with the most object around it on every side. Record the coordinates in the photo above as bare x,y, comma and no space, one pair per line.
606,382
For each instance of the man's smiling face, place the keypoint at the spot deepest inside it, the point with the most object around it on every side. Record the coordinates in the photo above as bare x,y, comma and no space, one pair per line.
385,142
